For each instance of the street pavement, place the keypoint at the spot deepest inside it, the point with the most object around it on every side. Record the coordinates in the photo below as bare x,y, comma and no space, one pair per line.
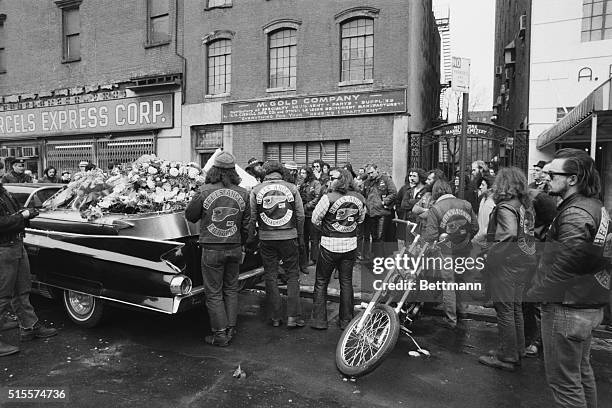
138,359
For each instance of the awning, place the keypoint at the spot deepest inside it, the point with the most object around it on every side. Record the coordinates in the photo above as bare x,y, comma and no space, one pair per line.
599,100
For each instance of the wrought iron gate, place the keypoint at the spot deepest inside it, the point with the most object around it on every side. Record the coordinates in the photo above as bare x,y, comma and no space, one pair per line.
439,147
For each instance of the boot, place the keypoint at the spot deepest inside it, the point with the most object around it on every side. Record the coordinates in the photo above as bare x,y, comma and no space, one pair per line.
493,361
7,349
38,331
295,322
218,338
231,332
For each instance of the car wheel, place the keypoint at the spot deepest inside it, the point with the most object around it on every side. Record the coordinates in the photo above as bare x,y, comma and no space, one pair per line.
84,310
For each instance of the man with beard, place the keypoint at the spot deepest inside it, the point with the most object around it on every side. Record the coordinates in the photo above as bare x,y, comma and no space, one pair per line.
222,207
571,280
380,193
456,218
17,174
407,197
479,169
277,208
337,214
255,169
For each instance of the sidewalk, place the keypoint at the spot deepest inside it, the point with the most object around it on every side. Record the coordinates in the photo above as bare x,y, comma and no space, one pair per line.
474,311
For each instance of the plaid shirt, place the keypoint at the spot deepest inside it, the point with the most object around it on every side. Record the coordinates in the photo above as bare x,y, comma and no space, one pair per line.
334,244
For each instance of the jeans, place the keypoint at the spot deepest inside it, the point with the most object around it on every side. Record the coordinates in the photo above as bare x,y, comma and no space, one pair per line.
16,284
451,300
328,261
376,231
220,269
507,286
566,339
271,252
311,238
531,317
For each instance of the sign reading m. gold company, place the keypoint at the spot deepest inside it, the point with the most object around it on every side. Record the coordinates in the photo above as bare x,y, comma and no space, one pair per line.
317,106
113,115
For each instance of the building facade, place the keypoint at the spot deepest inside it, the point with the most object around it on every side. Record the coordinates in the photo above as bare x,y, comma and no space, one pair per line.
287,80
85,80
566,68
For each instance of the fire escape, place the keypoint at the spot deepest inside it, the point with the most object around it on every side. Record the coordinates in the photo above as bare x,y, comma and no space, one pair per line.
443,23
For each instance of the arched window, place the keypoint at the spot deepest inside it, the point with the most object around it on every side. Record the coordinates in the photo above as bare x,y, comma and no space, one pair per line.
357,43
219,53
283,58
585,73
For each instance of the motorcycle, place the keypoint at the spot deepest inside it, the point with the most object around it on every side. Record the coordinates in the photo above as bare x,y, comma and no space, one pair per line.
372,334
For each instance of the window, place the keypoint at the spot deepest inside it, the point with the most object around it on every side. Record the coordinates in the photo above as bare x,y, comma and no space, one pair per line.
596,20
561,112
357,50
71,21
219,3
219,67
2,42
283,58
158,21
208,137
585,73
333,152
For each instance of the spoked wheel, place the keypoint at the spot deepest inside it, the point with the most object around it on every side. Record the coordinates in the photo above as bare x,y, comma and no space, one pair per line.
85,310
358,353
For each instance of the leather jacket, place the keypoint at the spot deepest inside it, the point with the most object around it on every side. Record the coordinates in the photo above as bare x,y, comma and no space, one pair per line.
405,201
572,268
511,237
223,212
455,217
310,193
380,195
12,223
277,208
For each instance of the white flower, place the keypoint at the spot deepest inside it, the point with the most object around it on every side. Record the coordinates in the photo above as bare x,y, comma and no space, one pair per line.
151,184
174,172
193,172
152,170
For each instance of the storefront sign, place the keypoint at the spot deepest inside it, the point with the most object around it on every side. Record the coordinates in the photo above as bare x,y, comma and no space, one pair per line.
317,106
119,115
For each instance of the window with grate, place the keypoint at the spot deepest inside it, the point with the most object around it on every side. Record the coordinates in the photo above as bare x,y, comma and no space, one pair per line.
357,37
219,67
283,58
334,152
596,20
158,16
71,26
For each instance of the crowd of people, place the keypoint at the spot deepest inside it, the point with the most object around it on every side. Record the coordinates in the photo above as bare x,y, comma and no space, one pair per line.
544,245
13,170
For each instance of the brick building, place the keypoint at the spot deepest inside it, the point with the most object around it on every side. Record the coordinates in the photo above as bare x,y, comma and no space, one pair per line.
97,80
288,80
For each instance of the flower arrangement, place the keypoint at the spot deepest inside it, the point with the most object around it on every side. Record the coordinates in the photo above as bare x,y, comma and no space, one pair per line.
151,184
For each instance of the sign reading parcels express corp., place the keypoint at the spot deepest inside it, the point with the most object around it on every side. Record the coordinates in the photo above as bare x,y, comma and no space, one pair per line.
140,113
316,106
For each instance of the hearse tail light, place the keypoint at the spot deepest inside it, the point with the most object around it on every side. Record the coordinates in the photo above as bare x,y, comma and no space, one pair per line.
180,285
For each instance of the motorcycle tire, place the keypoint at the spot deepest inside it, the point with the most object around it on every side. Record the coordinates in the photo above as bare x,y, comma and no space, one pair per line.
358,354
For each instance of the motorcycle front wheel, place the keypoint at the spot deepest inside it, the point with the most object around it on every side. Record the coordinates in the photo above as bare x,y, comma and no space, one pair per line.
360,352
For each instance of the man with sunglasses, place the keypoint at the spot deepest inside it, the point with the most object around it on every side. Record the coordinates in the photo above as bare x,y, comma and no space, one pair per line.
571,280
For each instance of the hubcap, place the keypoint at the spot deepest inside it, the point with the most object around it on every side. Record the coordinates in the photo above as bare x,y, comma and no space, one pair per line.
80,303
